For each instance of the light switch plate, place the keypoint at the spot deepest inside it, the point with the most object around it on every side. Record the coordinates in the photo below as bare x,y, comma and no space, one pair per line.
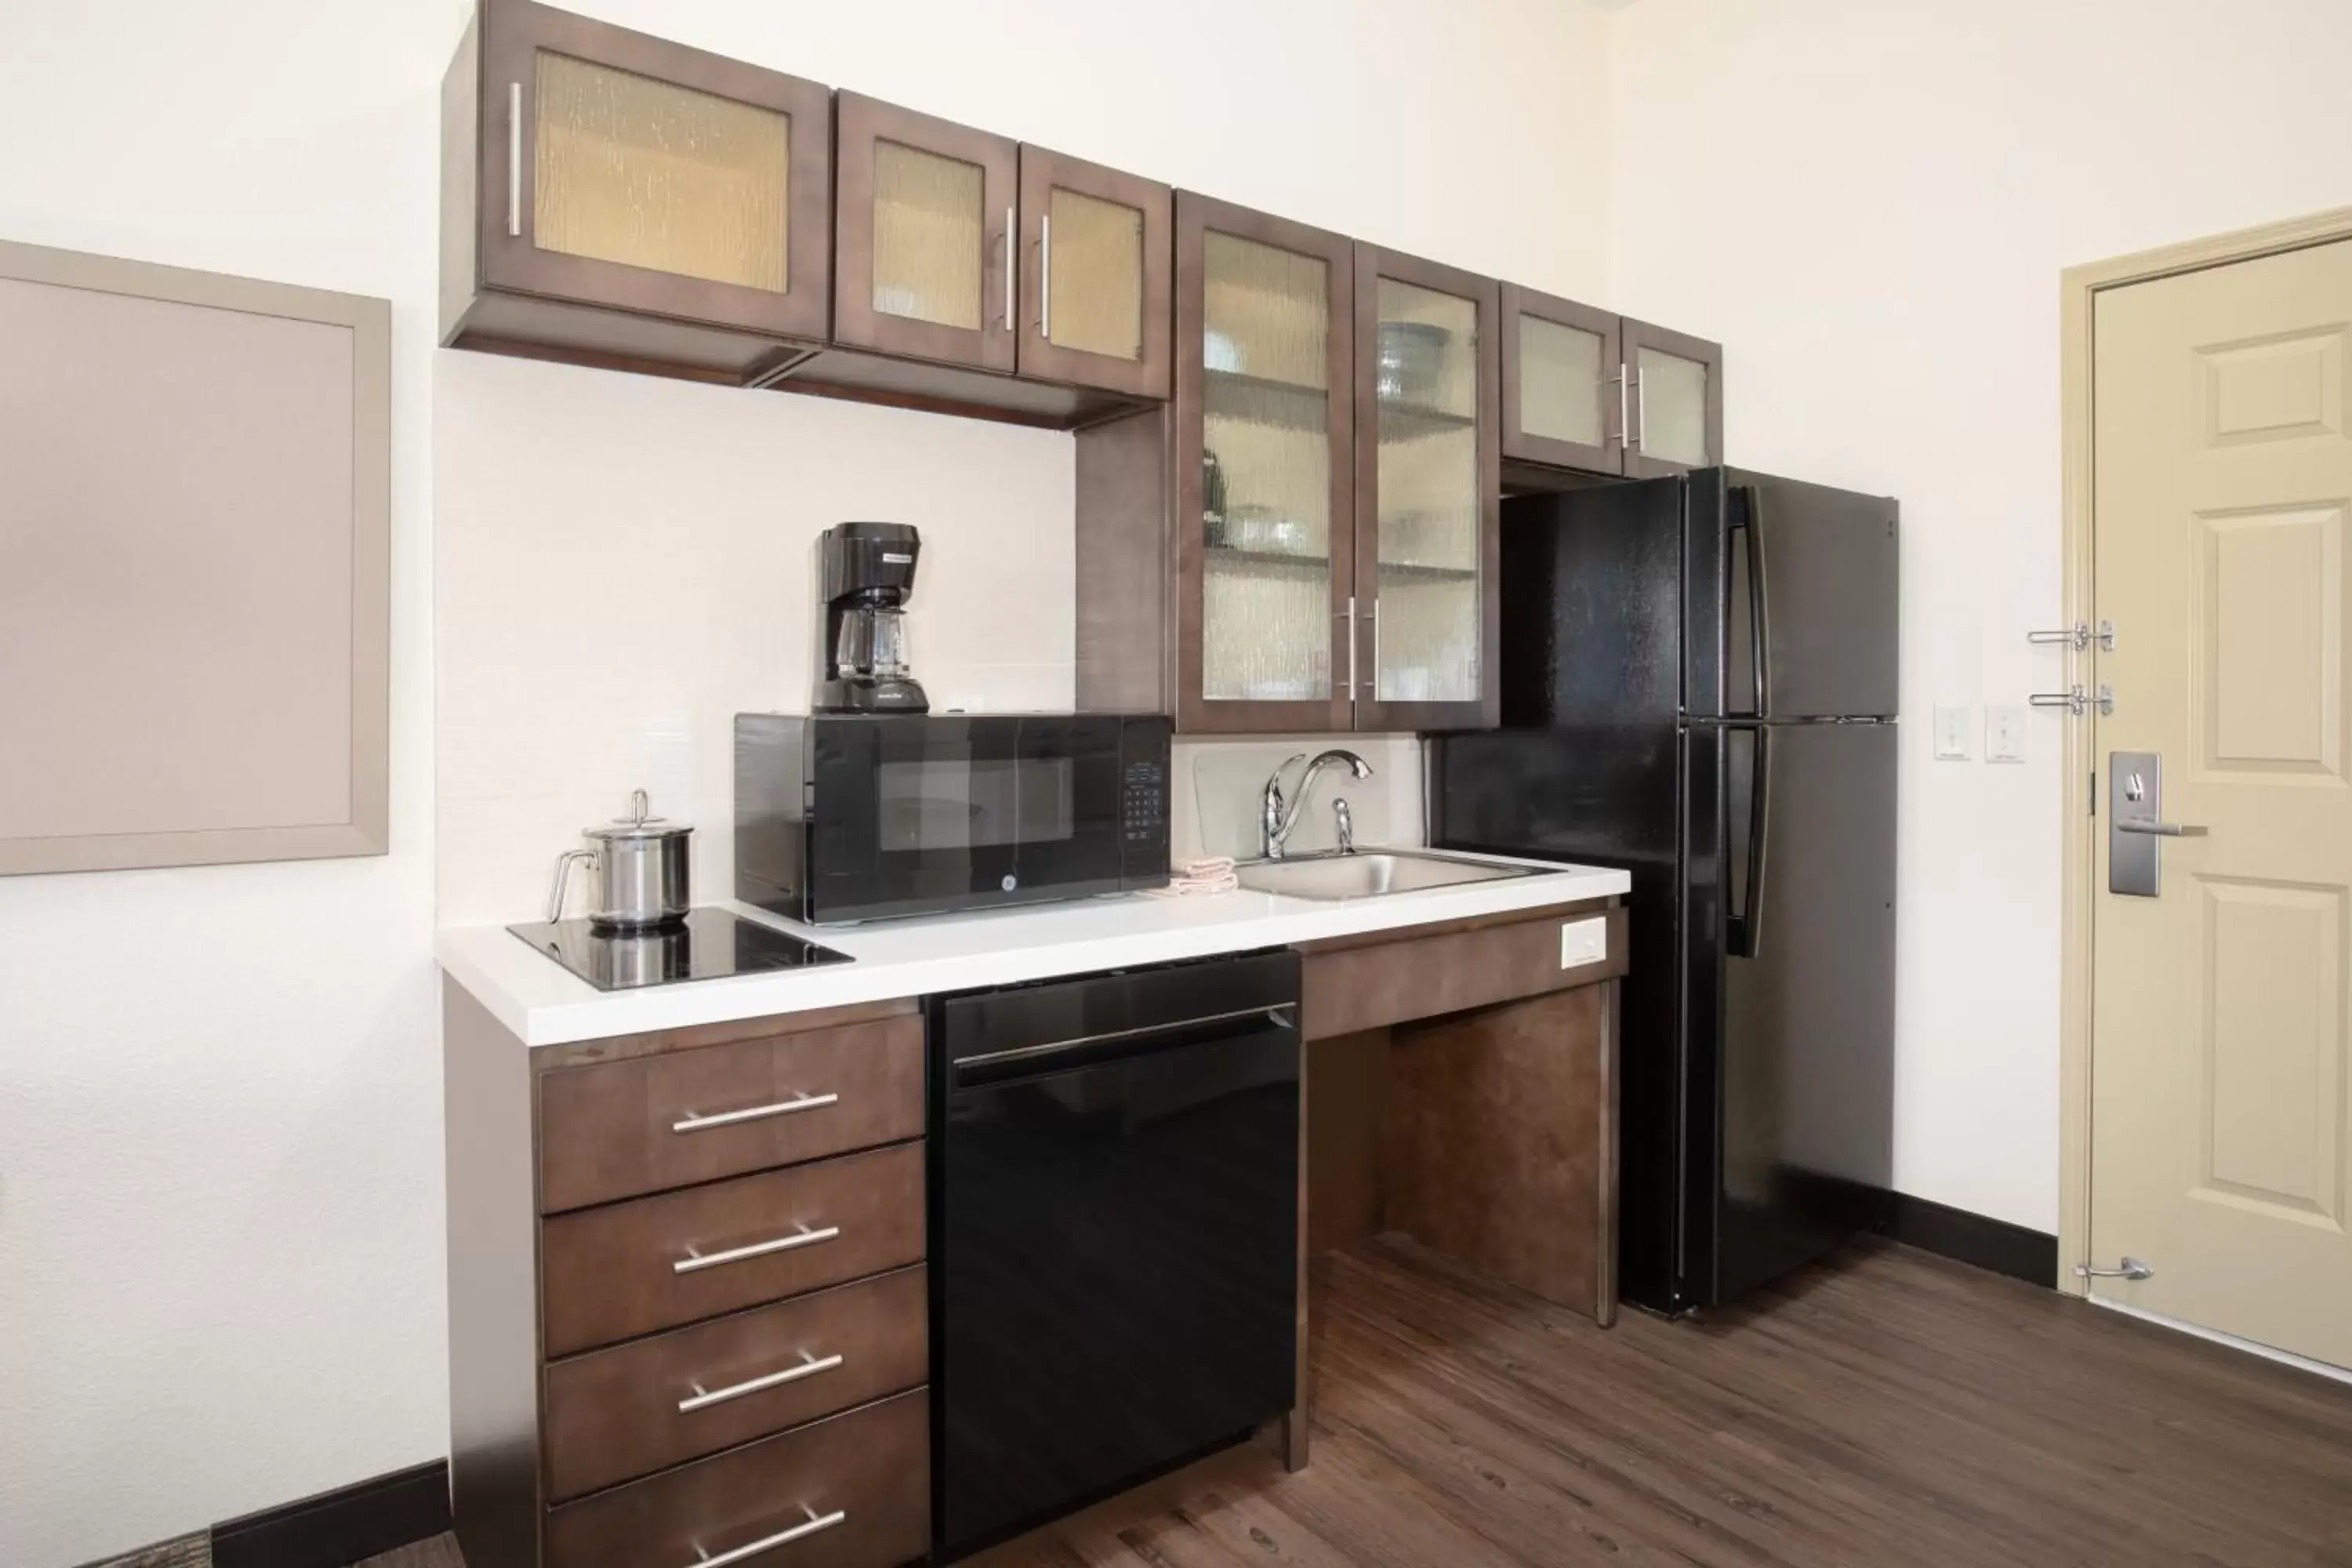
1583,942
1952,727
2005,735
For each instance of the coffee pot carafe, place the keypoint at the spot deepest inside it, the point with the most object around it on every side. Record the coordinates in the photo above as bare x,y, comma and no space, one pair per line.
865,571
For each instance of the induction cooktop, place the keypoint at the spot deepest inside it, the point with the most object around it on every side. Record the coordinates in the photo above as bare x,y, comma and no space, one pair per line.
707,944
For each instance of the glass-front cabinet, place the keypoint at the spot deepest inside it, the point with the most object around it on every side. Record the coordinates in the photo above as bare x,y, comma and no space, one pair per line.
1428,494
621,169
1265,480
1674,386
1096,258
1564,395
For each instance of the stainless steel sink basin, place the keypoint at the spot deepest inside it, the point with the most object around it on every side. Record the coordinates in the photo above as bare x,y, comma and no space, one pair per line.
1368,874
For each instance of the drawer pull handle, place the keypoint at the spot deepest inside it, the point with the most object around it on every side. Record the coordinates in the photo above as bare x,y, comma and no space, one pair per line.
703,1399
808,1527
695,1124
803,1236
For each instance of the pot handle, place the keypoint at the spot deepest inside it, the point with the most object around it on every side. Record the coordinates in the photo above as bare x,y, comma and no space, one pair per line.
562,876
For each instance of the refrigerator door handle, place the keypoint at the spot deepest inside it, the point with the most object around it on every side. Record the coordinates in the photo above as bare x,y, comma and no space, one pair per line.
1744,935
1759,667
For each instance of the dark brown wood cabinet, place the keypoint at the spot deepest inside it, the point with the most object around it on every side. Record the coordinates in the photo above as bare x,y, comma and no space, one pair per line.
618,199
646,1361
1095,275
1588,390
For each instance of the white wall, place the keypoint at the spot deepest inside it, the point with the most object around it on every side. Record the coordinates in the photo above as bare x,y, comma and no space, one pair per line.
1870,204
220,1170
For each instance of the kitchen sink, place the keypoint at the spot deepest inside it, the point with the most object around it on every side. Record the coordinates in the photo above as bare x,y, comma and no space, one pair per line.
1368,874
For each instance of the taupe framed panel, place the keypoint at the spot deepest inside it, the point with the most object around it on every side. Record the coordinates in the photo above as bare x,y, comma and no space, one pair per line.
1104,276
195,647
1543,408
1648,349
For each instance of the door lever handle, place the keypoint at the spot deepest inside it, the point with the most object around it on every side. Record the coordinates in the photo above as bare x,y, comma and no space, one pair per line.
2133,1269
2160,829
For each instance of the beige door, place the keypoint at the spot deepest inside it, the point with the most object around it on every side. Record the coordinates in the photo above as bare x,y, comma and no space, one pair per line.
2219,1081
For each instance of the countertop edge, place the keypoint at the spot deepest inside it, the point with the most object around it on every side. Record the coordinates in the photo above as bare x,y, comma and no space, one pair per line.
541,1004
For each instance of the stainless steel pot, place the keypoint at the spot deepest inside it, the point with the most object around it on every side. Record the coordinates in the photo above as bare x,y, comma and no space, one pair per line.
641,864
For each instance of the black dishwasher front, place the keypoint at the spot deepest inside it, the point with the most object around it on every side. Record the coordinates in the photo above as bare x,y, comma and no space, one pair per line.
1114,1232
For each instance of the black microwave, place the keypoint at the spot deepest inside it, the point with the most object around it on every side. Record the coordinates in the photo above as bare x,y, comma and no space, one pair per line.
842,817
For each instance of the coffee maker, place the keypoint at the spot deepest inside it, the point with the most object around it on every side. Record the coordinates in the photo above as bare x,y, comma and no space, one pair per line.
865,571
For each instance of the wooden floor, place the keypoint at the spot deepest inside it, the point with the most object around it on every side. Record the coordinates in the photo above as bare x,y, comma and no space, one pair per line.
1890,1408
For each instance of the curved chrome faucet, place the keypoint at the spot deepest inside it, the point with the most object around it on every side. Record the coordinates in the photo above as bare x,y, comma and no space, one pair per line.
1277,817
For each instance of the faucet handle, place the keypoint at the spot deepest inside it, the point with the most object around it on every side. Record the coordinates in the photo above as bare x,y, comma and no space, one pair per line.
1346,824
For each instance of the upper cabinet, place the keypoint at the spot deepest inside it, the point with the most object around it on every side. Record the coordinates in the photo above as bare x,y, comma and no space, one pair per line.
923,236
629,199
1095,288
1263,473
1586,389
1428,454
1676,392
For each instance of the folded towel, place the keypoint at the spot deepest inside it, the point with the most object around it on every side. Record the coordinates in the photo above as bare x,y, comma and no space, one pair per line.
1214,875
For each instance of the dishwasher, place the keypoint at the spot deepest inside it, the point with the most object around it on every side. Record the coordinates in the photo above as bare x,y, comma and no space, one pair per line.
1114,1232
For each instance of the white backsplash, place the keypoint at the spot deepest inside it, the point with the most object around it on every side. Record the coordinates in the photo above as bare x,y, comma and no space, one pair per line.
1218,784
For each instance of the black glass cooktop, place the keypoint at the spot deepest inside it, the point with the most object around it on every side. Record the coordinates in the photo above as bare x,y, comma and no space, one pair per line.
706,945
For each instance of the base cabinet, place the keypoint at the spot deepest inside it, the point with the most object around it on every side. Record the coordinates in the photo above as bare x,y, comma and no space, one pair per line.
650,1366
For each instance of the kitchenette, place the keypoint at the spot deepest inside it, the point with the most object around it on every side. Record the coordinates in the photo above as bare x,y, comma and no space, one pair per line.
1204,743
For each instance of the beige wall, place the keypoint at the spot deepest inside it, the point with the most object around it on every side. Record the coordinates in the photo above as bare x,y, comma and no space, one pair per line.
1870,204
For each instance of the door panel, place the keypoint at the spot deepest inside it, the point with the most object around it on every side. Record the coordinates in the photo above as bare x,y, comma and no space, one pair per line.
1265,513
2220,1084
1564,399
1675,385
624,170
924,234
1096,265
1829,592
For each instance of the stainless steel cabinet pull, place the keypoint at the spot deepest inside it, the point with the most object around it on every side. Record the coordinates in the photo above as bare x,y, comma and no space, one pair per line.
514,159
814,1522
697,1123
2077,701
1641,439
1008,269
2133,1269
2160,829
1282,1016
1045,276
1375,613
2077,636
1624,423
1349,616
694,1261
703,1399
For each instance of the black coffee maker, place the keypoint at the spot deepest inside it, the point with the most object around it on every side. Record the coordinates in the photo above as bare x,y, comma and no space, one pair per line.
865,571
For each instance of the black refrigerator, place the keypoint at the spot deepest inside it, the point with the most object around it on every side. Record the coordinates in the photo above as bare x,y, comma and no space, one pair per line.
1698,686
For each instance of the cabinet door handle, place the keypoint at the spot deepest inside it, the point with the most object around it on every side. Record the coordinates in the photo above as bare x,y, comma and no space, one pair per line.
814,1522
694,1123
693,1262
514,159
1375,681
1349,614
1624,422
1008,270
1045,276
703,1399
1640,437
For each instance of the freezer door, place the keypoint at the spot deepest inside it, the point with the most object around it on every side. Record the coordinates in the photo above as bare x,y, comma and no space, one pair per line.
1790,1055
1806,594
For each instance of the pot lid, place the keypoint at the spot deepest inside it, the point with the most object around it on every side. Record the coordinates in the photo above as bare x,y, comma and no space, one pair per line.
640,823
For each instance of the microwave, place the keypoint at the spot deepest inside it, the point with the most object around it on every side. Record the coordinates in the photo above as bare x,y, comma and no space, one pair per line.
846,817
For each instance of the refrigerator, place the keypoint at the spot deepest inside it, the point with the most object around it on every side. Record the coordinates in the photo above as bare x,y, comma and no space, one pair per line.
1698,686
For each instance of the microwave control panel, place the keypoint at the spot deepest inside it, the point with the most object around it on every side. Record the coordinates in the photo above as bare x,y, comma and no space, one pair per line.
1143,822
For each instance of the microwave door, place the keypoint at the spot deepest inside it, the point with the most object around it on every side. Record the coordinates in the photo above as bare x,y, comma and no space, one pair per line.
1068,792
945,823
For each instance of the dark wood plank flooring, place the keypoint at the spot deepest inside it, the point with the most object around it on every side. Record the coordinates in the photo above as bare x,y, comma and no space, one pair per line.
1890,1407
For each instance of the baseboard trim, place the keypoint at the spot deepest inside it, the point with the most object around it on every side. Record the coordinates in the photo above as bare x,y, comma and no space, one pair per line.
338,1527
1975,1239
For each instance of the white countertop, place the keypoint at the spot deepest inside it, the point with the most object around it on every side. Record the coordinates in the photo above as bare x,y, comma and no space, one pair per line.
544,1004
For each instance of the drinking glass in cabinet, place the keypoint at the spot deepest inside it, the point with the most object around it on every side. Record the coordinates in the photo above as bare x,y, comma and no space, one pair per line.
1265,415
1426,385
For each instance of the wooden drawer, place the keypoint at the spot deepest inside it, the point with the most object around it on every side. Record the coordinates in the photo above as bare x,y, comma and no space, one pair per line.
1365,982
620,1129
614,1414
609,1273
870,1466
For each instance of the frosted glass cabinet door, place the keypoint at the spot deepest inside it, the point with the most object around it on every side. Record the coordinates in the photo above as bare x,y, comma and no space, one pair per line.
1428,494
924,221
618,168
1094,275
1676,383
1266,517
1564,401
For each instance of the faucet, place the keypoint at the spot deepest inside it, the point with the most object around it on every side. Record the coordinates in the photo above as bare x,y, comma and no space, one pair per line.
1277,817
